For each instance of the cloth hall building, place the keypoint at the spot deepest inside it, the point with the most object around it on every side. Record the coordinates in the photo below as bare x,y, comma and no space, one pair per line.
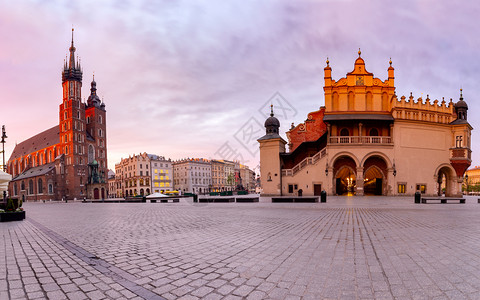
69,160
368,141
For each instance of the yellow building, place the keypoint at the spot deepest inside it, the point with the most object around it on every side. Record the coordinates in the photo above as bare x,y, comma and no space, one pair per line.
471,183
367,141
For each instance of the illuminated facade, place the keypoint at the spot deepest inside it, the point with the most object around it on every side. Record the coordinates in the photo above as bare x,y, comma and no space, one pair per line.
69,160
162,174
367,141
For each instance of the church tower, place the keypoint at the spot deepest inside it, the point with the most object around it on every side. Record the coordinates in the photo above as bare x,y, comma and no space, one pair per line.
95,114
72,128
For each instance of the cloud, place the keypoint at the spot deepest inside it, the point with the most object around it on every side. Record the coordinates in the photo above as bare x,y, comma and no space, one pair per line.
182,76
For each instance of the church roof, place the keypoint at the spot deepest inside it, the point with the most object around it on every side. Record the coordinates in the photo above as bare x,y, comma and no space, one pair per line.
37,142
36,171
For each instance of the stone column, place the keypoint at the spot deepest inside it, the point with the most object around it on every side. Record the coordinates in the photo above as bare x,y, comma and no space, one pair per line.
360,125
436,191
390,183
330,181
359,180
457,186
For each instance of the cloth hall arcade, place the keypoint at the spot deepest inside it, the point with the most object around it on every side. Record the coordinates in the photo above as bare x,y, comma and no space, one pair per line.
368,141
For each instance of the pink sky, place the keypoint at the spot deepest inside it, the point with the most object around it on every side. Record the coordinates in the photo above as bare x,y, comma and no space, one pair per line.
185,78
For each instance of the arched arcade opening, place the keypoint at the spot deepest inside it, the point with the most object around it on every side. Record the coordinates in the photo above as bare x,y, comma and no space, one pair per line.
345,180
375,176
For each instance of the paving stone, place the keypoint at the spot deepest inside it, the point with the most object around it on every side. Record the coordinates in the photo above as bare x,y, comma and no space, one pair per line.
360,247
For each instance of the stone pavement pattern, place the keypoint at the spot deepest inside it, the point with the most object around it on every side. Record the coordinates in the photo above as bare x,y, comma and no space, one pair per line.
347,248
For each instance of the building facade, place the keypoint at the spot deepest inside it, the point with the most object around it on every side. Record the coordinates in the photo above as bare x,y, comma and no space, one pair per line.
246,178
193,175
112,187
133,176
230,181
367,141
143,174
162,174
69,160
218,175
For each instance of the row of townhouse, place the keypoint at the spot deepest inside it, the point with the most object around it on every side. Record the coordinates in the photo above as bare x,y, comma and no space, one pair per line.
142,174
145,174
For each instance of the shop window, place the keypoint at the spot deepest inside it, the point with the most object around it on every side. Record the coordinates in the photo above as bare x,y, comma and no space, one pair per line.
402,188
422,188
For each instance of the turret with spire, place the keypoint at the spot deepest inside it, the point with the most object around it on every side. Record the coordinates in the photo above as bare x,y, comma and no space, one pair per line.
461,108
93,99
72,71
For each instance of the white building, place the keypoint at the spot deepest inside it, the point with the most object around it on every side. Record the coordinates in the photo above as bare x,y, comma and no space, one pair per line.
192,175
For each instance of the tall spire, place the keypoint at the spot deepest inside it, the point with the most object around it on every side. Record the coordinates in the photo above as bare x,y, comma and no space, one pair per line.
71,64
73,70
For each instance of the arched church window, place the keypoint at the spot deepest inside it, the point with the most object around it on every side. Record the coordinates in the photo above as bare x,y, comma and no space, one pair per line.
30,187
40,186
91,154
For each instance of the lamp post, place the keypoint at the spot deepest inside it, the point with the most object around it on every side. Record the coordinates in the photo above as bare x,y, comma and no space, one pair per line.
4,136
466,182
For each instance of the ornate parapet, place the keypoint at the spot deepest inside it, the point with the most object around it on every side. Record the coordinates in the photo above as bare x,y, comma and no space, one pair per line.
418,110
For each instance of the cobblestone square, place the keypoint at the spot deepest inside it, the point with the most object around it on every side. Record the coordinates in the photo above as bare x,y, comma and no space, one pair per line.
347,248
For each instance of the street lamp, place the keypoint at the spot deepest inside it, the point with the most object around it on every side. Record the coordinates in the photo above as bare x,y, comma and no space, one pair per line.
466,182
4,136
4,167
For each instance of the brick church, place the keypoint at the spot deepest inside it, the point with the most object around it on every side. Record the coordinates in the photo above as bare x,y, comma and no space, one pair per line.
69,160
